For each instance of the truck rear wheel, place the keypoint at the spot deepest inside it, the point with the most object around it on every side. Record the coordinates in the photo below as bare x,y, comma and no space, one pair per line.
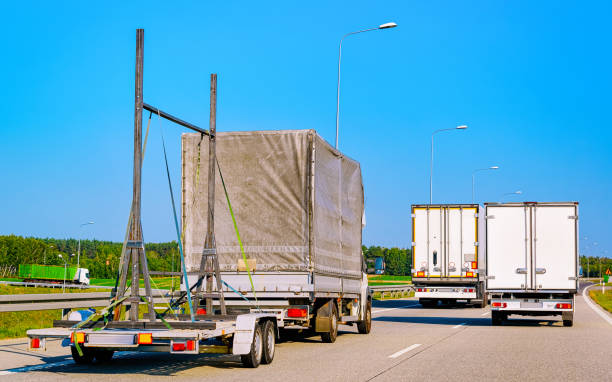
568,318
84,359
253,358
497,317
365,326
331,336
426,303
269,342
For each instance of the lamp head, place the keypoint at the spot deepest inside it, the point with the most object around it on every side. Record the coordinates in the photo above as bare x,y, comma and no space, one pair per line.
494,167
387,25
461,127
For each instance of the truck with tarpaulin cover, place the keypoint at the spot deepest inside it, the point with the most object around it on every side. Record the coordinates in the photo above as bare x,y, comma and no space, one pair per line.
53,274
299,207
448,254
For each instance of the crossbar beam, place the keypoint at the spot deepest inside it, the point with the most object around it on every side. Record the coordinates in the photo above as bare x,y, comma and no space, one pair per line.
174,119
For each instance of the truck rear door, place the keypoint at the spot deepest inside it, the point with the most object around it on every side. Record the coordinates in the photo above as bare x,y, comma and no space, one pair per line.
555,246
426,228
461,227
508,250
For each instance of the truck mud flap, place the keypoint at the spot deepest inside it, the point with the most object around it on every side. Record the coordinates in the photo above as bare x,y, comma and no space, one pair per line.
322,321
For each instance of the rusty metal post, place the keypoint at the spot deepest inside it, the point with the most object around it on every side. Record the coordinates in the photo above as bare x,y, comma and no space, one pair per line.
135,234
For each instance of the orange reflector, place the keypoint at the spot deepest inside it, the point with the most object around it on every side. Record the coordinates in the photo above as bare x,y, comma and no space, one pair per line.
469,274
201,311
179,346
297,312
474,265
191,345
564,306
420,274
145,338
79,336
35,343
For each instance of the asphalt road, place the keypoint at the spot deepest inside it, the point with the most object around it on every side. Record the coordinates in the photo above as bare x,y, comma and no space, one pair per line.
406,343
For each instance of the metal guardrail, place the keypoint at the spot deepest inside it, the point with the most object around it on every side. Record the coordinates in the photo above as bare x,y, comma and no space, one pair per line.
393,291
53,285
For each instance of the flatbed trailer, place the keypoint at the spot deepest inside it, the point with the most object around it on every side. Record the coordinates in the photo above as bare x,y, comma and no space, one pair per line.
252,336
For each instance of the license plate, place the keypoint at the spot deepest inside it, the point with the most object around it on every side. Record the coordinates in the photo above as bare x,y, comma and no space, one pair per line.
531,305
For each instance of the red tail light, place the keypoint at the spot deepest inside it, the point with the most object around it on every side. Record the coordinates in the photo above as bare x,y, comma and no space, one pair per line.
201,311
35,343
419,289
474,265
179,346
471,290
191,345
297,313
563,306
499,305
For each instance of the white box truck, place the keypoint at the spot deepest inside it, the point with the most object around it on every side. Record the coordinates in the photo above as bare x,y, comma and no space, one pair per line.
532,259
448,254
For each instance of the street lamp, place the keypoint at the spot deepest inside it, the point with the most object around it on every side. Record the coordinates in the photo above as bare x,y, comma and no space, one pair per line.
79,251
460,127
65,270
380,27
518,192
474,173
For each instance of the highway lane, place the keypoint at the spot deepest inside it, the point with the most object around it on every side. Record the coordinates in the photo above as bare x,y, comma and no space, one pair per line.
407,343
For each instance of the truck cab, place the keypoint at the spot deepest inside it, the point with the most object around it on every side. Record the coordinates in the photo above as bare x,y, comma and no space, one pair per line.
82,276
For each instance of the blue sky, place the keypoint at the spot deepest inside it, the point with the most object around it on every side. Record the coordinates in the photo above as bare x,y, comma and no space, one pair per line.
531,79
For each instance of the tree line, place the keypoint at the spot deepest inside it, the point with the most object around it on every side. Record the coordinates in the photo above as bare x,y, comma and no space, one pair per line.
398,261
595,266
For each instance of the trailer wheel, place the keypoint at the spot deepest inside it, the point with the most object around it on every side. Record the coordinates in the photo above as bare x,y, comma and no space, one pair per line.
365,326
269,342
331,336
84,359
568,318
254,357
103,355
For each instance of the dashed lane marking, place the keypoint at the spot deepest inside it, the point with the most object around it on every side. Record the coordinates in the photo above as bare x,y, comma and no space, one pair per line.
411,347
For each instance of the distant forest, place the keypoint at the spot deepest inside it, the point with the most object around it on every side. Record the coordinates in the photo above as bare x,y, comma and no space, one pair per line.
102,257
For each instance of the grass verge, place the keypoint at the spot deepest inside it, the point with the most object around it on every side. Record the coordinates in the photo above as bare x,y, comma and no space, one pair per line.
603,299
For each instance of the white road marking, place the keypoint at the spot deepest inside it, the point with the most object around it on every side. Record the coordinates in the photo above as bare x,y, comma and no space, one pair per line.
397,354
597,310
485,313
384,310
458,326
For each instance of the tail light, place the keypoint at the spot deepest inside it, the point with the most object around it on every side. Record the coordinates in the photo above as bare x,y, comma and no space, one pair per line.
201,311
419,289
474,264
145,338
179,346
191,345
563,306
499,305
35,343
469,274
420,274
80,337
297,312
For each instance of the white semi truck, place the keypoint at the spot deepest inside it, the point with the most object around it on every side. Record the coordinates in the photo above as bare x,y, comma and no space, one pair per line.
532,259
448,254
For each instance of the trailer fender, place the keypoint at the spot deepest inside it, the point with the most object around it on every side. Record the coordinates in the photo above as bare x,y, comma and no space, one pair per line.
322,321
245,326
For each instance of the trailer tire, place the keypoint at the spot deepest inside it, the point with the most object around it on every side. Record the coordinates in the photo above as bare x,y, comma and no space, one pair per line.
496,318
84,359
568,318
253,358
269,342
330,337
365,326
103,355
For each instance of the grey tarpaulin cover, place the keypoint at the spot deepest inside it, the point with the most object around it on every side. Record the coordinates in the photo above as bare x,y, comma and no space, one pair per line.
298,202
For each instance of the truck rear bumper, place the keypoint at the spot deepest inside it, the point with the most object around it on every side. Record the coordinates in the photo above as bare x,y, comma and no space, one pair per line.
445,292
519,306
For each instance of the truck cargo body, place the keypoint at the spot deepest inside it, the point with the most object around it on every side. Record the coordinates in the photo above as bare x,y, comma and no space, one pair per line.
53,273
298,205
532,259
448,253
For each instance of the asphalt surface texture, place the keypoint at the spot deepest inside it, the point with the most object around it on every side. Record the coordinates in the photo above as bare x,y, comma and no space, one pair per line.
407,343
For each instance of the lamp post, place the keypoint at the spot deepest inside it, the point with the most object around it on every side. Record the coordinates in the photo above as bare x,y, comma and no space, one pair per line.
382,26
474,175
79,250
518,192
460,127
65,270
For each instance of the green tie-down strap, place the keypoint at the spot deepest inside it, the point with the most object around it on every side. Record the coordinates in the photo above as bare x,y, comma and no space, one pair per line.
229,205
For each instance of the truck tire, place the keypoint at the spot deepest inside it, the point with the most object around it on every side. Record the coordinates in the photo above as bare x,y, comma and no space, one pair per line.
103,355
84,359
426,303
330,337
568,318
253,358
365,326
496,318
269,342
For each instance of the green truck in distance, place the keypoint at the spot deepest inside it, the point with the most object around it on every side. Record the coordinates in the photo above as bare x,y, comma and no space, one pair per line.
53,273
